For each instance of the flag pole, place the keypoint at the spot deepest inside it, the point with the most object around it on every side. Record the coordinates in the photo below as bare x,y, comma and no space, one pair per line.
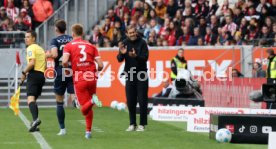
16,73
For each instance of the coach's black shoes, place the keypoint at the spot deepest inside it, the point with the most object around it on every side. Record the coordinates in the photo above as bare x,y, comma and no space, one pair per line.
34,125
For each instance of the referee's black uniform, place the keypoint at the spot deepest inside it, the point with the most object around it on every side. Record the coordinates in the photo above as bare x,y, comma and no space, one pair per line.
135,71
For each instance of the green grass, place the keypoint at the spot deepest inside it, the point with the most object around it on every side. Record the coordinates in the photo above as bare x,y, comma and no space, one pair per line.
158,135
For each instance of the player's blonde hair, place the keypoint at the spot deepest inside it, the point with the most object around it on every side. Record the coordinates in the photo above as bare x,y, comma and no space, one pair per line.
77,29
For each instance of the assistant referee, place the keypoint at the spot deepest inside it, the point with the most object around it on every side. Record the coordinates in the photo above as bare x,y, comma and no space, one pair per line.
34,72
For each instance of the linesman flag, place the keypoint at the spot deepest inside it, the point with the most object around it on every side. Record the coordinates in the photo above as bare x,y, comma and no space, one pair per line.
14,103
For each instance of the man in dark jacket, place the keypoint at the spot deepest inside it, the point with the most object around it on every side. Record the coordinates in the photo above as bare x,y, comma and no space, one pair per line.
134,51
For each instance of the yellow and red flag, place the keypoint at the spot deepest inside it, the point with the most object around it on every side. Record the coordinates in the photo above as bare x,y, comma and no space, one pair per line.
14,103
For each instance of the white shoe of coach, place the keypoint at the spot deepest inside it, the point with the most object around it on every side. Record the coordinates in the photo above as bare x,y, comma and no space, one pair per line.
131,128
140,128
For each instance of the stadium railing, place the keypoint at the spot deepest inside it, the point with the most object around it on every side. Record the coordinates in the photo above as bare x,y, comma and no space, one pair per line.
85,12
12,39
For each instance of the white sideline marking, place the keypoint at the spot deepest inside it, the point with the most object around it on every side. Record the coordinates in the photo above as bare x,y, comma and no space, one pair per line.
93,128
39,138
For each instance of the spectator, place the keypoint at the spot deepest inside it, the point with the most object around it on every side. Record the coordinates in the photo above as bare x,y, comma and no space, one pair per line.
3,14
178,17
172,33
7,22
251,13
252,34
222,37
159,42
121,9
188,5
214,28
274,29
201,9
261,5
160,9
268,23
243,28
238,38
266,37
190,24
126,20
208,36
12,11
258,71
189,14
152,39
117,37
200,42
236,73
141,27
165,26
97,38
137,8
273,7
202,27
107,42
26,5
230,25
146,10
25,18
193,39
263,15
113,17
40,15
213,9
153,15
222,9
172,8
165,43
238,15
107,29
20,25
167,87
152,26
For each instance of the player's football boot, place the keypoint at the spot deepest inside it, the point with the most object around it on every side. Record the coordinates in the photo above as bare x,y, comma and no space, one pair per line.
88,135
34,125
62,132
95,100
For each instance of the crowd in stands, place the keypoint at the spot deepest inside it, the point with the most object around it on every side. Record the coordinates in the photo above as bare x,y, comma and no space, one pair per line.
190,22
23,15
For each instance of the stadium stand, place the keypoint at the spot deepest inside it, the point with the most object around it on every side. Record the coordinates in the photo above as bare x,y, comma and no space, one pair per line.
190,22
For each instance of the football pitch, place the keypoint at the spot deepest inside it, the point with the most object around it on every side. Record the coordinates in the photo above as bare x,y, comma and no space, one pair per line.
108,133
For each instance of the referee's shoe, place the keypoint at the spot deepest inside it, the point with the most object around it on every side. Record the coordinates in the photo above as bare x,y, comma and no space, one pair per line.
34,125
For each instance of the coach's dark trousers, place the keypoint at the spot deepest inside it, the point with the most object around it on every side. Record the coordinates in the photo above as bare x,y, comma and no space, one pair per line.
137,90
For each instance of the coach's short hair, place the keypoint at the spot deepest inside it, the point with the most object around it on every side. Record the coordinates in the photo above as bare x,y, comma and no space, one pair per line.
131,27
33,33
60,25
77,29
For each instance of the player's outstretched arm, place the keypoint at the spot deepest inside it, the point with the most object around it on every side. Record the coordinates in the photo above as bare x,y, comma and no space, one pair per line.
100,63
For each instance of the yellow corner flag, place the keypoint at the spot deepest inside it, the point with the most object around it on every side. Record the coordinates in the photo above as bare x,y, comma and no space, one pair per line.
14,103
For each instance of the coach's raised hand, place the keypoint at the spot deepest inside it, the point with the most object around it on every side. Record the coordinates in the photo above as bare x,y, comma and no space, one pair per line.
122,48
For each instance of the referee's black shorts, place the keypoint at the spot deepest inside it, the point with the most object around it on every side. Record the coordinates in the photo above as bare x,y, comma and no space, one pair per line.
35,82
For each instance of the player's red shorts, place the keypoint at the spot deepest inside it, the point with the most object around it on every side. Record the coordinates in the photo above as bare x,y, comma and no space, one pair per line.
84,90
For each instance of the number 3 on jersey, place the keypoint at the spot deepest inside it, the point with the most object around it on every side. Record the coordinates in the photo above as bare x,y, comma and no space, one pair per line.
83,53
